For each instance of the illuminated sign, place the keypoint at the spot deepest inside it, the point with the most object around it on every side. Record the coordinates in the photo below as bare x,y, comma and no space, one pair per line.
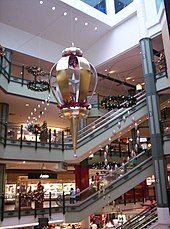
44,176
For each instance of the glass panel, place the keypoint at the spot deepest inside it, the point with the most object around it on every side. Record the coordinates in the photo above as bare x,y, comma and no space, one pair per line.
158,3
97,4
120,4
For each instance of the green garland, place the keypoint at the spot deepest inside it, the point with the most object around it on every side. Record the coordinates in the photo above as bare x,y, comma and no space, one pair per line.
117,102
39,86
36,71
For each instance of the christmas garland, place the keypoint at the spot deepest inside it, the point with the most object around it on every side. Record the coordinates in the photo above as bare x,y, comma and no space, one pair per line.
72,103
36,71
39,85
2,51
120,101
34,128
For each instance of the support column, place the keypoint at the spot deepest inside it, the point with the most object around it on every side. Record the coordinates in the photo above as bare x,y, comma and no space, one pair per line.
155,131
82,175
154,118
2,181
4,111
2,178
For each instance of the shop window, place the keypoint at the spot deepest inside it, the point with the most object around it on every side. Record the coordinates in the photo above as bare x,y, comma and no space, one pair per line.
121,4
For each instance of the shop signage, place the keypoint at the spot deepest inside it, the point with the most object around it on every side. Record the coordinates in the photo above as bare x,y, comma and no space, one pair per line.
150,180
42,176
45,176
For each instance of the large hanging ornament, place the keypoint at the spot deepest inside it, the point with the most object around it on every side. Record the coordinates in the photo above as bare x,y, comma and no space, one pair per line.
73,77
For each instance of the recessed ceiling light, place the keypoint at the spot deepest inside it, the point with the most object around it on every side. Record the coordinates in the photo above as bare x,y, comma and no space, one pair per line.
53,8
133,80
86,23
95,28
65,13
128,78
41,2
27,104
105,70
111,72
75,18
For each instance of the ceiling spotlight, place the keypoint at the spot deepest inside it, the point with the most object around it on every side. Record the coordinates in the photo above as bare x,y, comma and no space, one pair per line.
111,72
86,23
53,8
65,13
95,28
41,2
75,18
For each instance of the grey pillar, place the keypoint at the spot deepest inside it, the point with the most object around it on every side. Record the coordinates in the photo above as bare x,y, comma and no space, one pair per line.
2,178
82,123
4,112
154,123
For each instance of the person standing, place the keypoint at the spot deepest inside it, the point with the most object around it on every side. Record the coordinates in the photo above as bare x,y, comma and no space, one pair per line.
77,193
97,179
72,196
93,224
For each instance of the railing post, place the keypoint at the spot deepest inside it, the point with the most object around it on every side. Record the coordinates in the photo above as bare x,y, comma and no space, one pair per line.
124,199
49,139
22,76
64,210
62,140
19,206
2,206
21,136
143,195
36,135
50,204
1,64
35,209
5,135
134,195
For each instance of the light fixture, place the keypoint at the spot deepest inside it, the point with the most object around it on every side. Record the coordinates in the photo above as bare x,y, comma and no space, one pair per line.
41,2
73,78
53,8
138,87
86,23
95,28
65,13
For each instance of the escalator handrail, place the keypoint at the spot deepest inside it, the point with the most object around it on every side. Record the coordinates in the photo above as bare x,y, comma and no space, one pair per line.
105,119
107,188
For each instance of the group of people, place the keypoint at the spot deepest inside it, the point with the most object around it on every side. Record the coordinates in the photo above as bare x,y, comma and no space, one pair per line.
95,223
74,195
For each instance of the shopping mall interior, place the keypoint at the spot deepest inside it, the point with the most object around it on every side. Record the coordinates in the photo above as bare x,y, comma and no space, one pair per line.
84,114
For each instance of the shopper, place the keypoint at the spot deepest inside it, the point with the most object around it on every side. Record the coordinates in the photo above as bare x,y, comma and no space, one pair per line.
72,196
77,193
97,181
93,224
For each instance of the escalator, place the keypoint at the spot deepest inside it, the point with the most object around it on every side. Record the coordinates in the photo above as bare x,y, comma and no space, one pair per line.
142,220
95,135
113,185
